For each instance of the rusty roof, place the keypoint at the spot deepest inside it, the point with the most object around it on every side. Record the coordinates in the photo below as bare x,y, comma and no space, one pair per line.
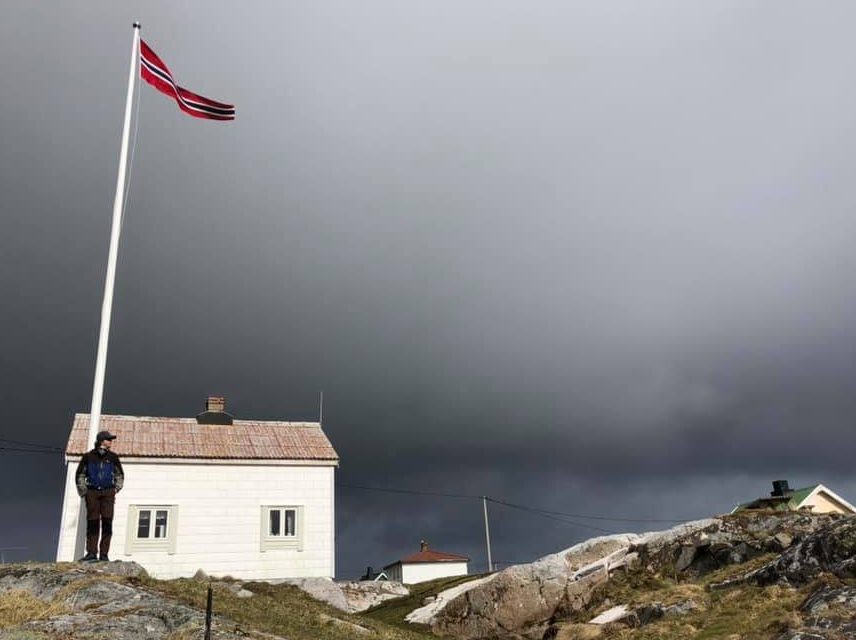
150,437
429,555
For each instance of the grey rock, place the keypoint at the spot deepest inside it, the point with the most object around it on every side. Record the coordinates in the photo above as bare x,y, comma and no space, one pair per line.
647,614
783,540
829,549
201,576
323,589
685,557
721,552
826,597
364,595
680,608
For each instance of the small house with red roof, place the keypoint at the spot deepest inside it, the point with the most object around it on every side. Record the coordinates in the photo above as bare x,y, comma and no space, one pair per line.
246,498
426,564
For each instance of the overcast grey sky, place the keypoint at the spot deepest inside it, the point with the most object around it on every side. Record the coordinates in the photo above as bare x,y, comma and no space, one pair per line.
593,257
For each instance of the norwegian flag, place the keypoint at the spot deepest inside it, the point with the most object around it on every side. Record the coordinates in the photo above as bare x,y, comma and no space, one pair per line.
156,73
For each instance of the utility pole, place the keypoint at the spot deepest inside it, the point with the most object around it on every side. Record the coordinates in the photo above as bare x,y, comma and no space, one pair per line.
487,535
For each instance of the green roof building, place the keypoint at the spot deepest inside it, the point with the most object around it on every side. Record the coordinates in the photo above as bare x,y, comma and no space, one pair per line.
816,499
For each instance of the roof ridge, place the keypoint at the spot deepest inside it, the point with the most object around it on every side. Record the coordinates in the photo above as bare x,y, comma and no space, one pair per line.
192,420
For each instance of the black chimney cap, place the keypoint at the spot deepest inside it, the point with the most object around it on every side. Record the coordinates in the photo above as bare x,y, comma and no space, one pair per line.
780,488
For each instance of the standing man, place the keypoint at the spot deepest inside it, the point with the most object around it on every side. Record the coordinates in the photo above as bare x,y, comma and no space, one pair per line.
99,479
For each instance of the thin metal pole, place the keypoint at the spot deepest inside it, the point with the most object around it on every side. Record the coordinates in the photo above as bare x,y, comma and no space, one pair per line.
321,409
487,535
118,202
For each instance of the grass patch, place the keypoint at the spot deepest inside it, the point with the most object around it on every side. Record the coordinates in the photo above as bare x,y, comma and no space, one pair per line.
18,606
742,611
281,609
747,612
393,611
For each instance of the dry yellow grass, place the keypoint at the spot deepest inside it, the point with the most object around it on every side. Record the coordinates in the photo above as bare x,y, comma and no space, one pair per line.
18,607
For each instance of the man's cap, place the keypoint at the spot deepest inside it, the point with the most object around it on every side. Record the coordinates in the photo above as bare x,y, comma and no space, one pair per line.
104,435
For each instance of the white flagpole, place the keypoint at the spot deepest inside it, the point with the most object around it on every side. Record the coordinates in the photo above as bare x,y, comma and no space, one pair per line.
118,205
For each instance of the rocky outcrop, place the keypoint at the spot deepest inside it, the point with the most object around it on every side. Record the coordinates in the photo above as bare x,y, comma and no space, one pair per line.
829,614
645,614
526,601
352,597
323,589
831,549
522,600
91,601
365,595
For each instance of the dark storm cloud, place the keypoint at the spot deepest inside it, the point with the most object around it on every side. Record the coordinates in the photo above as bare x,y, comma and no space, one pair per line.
593,258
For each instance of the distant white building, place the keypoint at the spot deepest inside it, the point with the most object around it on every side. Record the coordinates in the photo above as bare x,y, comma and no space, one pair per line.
426,565
244,498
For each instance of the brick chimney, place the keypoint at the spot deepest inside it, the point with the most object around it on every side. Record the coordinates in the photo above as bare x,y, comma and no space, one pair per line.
215,412
423,546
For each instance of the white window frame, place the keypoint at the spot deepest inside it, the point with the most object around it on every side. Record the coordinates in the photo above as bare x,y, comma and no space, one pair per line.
274,543
139,545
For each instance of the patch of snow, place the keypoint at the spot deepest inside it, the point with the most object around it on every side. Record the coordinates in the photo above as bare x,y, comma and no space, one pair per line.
610,615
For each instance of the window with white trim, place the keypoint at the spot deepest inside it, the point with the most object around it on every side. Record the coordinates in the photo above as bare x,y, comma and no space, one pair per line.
282,527
151,528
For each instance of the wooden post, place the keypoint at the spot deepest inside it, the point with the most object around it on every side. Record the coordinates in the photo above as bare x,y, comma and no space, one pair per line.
208,613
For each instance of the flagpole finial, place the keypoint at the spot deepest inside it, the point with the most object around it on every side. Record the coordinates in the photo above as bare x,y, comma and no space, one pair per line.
136,25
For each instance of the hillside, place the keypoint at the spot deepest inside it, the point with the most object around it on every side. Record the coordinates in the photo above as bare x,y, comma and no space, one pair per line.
117,601
753,576
758,576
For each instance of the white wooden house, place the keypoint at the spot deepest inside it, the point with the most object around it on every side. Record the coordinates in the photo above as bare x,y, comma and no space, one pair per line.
245,498
426,564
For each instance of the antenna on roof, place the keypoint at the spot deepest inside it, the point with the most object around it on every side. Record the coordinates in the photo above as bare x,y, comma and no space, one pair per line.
321,410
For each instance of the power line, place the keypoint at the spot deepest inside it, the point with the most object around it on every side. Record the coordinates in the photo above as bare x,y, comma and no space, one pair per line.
544,514
20,450
31,444
580,515
411,492
547,513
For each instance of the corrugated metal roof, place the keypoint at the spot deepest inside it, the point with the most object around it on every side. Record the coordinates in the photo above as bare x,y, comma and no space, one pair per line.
151,437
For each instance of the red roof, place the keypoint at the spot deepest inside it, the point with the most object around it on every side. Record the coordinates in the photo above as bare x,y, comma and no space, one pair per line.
185,438
430,555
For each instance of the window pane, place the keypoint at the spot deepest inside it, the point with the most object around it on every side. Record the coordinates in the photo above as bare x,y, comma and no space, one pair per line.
289,522
275,529
143,524
160,524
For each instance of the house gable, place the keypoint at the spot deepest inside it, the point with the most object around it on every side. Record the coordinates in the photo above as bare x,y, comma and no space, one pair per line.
823,499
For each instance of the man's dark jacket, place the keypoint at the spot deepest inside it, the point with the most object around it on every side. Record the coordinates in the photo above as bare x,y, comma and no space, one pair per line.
99,471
